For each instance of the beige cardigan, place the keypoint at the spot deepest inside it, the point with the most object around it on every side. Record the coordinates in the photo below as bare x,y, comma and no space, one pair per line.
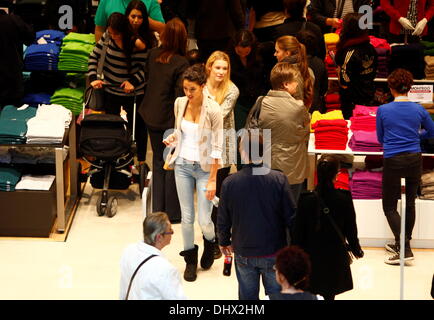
210,131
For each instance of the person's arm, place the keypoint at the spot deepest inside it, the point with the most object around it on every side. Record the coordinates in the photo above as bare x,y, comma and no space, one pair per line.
379,125
156,26
230,100
99,31
93,64
156,20
252,19
318,16
100,20
169,284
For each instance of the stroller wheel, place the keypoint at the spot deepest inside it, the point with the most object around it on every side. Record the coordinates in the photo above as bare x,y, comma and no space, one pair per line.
144,169
100,208
112,207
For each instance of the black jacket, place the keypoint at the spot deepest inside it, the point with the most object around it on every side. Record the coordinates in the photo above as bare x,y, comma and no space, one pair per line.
331,273
291,27
255,212
320,10
160,93
358,67
321,84
13,33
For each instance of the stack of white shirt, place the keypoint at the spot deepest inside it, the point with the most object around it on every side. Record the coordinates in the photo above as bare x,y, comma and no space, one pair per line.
30,182
48,126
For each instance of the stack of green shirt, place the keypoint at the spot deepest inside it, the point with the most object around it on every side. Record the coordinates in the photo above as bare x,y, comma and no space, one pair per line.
75,51
13,124
71,99
428,48
9,178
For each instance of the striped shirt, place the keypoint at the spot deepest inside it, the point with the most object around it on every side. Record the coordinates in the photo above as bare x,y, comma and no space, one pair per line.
115,70
348,8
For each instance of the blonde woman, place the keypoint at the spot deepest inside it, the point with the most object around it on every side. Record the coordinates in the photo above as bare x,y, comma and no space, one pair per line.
225,93
288,49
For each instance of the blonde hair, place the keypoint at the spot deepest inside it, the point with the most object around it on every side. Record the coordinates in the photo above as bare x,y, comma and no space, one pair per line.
291,44
226,83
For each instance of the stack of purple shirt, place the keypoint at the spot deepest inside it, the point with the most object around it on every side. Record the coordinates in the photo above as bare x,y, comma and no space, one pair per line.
365,141
383,62
365,184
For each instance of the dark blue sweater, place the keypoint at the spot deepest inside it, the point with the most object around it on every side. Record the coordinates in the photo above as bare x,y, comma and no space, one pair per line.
258,208
398,125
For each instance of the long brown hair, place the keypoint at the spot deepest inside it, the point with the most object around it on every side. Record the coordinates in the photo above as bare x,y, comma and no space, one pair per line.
226,83
173,40
291,44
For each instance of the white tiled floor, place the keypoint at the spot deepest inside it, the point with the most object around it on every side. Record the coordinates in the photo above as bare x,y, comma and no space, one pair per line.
86,266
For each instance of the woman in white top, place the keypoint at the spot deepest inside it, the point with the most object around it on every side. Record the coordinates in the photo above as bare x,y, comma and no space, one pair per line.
198,142
225,93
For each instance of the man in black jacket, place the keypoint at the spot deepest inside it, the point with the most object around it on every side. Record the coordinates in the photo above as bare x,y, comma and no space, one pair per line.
13,33
254,216
327,13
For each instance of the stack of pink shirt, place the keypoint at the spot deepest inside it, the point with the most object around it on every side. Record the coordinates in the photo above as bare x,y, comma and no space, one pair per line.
363,126
331,134
365,184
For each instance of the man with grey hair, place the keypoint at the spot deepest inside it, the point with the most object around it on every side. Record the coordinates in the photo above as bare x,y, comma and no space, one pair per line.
145,273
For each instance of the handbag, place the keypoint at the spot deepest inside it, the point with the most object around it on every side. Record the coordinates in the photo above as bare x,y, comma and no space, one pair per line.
326,211
135,272
252,121
94,98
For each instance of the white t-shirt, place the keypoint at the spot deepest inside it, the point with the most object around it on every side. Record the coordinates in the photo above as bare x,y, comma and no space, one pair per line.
157,278
190,141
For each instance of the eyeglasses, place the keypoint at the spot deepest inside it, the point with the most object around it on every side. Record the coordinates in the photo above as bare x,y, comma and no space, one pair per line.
168,233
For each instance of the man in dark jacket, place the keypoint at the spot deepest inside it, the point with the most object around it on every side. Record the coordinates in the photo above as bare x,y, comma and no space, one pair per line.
254,215
327,15
13,33
216,21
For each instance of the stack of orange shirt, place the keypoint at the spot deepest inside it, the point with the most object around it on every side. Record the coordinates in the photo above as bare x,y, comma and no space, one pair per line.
331,134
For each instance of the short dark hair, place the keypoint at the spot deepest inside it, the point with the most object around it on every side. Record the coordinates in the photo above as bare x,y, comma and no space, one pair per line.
281,73
251,140
400,80
294,264
195,73
327,169
294,8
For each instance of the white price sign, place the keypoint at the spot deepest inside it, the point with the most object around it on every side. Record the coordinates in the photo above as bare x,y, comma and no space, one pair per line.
421,93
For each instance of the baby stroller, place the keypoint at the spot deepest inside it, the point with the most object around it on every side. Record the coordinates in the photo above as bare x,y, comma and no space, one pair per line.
108,146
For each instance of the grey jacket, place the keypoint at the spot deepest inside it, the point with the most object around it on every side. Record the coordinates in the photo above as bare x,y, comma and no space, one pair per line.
289,121
210,131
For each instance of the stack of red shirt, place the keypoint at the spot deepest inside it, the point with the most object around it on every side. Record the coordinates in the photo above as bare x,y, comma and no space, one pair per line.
331,134
342,179
332,101
331,67
364,118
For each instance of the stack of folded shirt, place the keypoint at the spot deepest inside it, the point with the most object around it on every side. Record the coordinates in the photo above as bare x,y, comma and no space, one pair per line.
429,67
428,47
365,141
331,39
56,112
42,57
331,134
332,101
342,179
31,182
9,178
383,62
331,67
51,36
364,118
365,184
332,115
71,99
13,124
75,52
379,43
427,185
36,98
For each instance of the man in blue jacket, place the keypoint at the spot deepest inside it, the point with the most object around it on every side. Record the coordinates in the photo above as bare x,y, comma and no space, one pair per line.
254,216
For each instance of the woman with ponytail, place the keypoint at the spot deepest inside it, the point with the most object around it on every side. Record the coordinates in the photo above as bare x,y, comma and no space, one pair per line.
288,49
315,232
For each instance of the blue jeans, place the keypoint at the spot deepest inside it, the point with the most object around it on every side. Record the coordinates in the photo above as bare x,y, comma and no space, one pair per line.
249,271
188,176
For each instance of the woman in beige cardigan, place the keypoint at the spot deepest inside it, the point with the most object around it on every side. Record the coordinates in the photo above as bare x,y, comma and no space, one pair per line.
198,143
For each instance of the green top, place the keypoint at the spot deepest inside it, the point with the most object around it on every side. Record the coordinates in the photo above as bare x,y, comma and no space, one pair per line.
87,38
107,7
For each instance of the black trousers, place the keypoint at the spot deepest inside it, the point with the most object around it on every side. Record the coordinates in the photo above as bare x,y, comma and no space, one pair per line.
408,166
222,174
113,104
164,194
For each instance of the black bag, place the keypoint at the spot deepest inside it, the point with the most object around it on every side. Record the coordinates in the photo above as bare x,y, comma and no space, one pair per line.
252,121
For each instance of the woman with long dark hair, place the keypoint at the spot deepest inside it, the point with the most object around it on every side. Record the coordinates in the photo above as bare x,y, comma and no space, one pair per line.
319,213
357,65
164,67
137,14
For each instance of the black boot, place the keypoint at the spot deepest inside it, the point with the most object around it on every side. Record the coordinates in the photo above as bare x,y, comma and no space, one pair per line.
190,258
217,252
208,254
